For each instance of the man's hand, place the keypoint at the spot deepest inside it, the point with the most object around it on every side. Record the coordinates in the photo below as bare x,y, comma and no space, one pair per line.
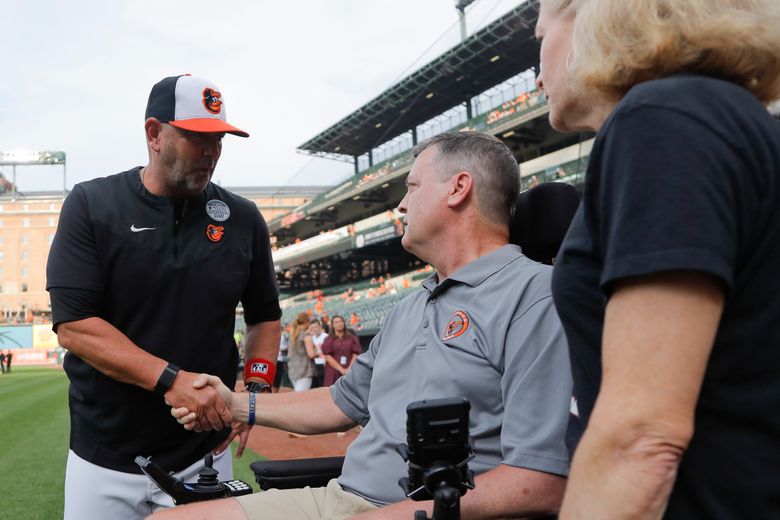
239,430
310,412
189,418
201,399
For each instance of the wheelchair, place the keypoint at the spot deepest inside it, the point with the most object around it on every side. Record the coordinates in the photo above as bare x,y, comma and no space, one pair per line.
539,222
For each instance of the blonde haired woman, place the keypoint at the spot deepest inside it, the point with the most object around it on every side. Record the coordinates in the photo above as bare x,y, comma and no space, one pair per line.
667,282
301,354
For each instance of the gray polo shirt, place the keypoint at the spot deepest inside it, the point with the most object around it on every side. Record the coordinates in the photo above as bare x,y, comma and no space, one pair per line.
489,333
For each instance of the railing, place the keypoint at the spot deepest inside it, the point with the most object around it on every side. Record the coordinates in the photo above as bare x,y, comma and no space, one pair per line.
572,172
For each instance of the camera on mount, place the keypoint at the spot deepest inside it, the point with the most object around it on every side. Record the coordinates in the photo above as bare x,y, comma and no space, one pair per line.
438,450
208,486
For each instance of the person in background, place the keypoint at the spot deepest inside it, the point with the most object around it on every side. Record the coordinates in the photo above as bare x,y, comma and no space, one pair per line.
8,357
238,337
667,280
301,354
318,337
281,360
325,319
340,350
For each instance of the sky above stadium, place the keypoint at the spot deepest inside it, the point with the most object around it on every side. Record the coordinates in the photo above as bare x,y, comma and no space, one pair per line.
77,75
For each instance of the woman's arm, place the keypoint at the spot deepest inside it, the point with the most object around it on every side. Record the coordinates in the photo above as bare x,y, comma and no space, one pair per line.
311,350
658,335
356,351
333,363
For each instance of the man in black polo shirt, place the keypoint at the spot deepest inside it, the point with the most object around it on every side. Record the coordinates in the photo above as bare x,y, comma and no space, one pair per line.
145,273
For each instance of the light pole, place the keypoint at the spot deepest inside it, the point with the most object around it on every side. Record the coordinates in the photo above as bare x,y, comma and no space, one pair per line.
461,6
14,158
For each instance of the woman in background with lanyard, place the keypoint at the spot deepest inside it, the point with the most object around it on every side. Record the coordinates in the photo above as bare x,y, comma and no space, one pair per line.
340,348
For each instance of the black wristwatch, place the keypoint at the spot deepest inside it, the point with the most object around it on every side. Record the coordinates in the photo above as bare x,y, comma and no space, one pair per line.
258,388
166,379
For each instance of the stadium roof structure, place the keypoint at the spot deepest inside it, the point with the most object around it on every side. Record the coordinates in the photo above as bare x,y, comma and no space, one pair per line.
487,58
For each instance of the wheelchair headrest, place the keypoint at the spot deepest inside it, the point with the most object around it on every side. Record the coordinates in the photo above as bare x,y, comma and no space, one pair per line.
540,219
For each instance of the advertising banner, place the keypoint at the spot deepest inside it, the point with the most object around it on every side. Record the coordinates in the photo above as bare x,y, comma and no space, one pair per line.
381,234
16,336
33,356
44,337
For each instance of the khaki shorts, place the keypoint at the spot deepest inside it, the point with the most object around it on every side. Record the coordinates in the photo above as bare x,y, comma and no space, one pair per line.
325,503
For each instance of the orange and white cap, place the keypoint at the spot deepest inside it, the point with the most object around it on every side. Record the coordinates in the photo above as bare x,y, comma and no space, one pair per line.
190,103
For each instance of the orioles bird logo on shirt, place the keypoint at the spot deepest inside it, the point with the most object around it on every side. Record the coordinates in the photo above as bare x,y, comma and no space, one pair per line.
457,325
212,100
215,233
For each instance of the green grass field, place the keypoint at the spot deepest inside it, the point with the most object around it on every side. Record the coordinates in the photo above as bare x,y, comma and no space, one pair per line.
34,426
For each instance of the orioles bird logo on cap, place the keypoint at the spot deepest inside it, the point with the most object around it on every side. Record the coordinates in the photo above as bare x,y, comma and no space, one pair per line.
212,100
215,233
457,325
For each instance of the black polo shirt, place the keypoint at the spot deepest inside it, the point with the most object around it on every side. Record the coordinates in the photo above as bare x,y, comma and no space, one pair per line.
169,275
685,175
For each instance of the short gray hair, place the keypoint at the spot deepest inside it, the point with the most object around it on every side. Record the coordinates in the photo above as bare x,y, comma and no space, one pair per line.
491,163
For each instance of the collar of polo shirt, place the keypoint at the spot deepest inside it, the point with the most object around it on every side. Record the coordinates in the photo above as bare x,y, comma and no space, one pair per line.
474,273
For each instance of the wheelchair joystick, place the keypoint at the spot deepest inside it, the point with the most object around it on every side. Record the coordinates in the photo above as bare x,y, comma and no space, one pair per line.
207,476
207,487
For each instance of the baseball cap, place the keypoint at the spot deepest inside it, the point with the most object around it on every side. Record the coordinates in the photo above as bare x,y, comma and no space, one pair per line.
190,103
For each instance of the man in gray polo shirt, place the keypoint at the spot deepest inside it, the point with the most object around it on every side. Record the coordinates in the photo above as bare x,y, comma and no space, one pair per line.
483,326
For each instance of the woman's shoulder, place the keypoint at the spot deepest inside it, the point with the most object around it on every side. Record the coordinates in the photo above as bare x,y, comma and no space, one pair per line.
707,99
694,106
668,90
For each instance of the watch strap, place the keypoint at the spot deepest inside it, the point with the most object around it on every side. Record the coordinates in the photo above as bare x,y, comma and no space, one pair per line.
166,378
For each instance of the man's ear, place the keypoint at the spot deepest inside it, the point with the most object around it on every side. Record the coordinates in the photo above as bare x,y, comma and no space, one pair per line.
461,186
153,130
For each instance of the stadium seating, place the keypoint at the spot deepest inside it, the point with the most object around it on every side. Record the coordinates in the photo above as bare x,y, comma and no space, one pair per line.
370,309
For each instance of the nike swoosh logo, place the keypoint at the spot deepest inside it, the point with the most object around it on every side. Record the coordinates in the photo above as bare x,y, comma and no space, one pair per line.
138,229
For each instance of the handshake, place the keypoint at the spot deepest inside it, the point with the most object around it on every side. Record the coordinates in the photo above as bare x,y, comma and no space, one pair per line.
203,403
190,419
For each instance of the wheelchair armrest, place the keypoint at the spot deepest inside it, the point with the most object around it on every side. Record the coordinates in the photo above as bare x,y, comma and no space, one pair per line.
290,474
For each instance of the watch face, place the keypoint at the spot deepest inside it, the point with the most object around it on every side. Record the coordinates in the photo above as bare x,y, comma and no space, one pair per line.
257,388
